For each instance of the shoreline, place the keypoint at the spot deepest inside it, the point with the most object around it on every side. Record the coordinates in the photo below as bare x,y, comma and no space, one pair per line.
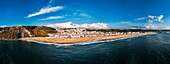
79,40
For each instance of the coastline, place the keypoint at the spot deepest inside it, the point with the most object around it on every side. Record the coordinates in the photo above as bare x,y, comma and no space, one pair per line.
77,40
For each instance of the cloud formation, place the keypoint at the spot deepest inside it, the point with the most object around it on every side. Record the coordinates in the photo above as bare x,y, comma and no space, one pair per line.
52,18
86,26
85,15
141,18
155,18
145,26
126,22
151,19
150,26
166,27
45,11
3,26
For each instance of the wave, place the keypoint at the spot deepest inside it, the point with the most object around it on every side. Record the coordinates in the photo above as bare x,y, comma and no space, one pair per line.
78,43
81,43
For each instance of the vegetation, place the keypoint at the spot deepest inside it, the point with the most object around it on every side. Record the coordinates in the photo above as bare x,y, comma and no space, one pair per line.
15,32
42,31
6,35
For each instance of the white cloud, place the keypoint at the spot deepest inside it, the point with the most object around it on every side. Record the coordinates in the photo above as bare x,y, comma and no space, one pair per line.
167,27
85,15
150,26
150,21
141,18
52,18
155,18
3,26
160,18
126,22
45,11
151,18
87,26
145,26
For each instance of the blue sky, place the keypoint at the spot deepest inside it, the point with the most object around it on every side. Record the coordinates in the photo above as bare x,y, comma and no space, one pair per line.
115,13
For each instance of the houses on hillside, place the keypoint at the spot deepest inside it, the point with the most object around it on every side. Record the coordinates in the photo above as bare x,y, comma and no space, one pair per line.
79,33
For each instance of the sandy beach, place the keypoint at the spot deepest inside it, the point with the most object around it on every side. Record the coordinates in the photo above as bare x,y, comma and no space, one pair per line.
75,40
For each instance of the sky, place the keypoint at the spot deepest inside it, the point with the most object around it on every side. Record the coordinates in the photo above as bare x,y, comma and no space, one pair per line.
125,14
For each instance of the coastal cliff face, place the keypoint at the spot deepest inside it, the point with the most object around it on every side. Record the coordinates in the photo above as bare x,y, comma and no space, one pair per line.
16,32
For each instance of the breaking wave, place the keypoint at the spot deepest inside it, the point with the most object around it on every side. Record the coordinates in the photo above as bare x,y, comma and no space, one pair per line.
80,43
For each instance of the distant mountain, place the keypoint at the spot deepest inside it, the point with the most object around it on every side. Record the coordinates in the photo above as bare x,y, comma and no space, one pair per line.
16,32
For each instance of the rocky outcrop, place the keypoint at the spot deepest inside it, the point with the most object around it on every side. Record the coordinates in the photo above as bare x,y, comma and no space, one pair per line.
16,32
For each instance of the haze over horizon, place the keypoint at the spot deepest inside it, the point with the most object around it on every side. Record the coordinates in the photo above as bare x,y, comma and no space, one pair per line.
127,14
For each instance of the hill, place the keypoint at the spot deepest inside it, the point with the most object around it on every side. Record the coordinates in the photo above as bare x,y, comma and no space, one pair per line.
15,32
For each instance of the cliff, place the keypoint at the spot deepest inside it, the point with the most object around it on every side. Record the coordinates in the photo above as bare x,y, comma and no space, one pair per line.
16,32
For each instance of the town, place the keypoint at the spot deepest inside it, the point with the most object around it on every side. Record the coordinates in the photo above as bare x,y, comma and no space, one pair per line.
80,33
17,32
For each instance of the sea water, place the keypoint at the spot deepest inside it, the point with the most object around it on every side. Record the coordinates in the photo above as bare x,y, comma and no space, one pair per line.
148,49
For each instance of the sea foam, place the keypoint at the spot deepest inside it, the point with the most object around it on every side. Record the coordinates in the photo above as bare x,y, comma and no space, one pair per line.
80,43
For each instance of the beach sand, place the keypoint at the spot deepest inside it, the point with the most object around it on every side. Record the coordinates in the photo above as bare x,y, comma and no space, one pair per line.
75,40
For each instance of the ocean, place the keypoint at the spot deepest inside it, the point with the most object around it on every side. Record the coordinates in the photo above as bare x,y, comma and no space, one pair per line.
148,49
